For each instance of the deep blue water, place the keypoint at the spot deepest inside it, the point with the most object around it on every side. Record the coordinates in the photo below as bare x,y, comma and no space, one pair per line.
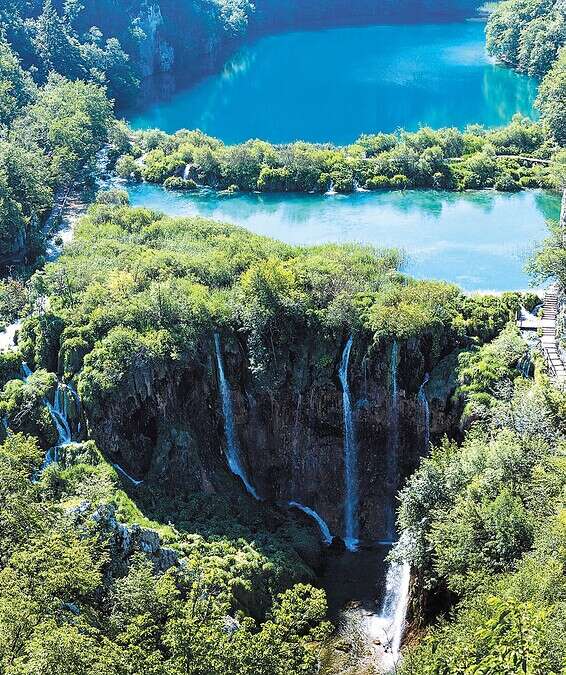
479,240
332,85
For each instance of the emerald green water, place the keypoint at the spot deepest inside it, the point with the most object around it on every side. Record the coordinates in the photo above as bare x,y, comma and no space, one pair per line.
333,85
479,240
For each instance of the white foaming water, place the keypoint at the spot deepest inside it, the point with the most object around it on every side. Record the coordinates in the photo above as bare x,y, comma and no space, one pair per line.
232,449
425,409
324,529
8,336
387,628
127,475
331,191
350,455
59,415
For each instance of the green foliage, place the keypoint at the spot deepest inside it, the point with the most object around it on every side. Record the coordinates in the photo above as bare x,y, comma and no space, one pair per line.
551,97
70,601
485,521
530,36
51,138
440,159
527,34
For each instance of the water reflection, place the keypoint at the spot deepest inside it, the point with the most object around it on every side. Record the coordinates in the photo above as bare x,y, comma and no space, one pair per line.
479,240
332,85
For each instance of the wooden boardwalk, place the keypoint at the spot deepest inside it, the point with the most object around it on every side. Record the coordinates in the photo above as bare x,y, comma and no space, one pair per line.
546,325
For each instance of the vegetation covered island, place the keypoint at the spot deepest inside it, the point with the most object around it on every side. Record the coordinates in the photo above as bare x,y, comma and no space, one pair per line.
230,451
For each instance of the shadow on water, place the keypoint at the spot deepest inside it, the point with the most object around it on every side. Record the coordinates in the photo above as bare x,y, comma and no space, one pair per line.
354,580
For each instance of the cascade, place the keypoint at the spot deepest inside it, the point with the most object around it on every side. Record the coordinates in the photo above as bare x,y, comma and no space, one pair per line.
393,444
350,455
186,172
324,529
425,409
59,415
388,627
8,336
524,365
331,191
232,449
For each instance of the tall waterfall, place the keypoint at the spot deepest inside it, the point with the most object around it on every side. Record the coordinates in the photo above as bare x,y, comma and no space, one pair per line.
350,455
392,462
324,529
425,410
232,449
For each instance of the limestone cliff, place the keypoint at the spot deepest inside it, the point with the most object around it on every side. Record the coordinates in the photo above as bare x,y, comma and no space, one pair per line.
168,425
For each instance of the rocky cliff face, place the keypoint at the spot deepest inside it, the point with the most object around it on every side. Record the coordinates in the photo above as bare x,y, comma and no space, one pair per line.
170,428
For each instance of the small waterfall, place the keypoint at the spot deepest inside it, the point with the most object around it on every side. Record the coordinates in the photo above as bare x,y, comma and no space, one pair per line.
425,411
232,450
331,191
524,365
388,627
324,529
127,475
8,336
59,414
350,455
392,463
186,172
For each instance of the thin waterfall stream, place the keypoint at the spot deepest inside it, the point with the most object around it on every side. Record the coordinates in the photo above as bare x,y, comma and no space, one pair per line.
392,459
324,529
350,456
425,411
232,449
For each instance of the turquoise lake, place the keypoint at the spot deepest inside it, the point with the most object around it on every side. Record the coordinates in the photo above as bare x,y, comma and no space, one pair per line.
333,85
479,240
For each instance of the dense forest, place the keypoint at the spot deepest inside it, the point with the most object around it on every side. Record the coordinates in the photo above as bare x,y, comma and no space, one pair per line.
178,384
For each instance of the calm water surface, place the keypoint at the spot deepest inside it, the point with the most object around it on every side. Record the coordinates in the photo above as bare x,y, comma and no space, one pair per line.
333,85
479,240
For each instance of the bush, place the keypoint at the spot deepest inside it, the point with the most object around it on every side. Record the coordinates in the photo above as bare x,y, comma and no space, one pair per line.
176,183
506,183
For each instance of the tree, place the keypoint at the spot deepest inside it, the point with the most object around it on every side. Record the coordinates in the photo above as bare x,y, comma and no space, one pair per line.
16,86
551,98
56,46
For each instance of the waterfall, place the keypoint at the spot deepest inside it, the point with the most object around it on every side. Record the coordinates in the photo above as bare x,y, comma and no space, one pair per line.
388,627
425,410
331,191
392,461
127,475
186,172
324,529
8,336
524,365
59,415
232,450
350,455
